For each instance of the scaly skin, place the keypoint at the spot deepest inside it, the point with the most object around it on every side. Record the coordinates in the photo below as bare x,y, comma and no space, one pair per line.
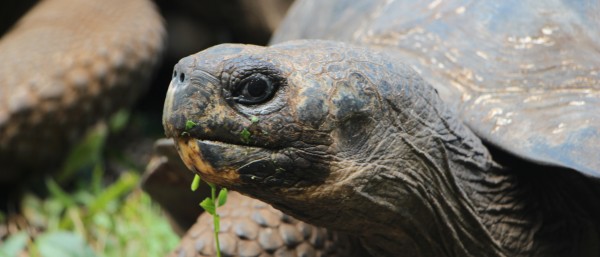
66,65
250,227
351,139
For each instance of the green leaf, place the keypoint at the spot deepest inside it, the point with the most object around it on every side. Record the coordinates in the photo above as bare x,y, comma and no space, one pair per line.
254,119
245,136
121,187
64,244
118,121
209,206
59,194
96,182
195,183
222,196
102,220
14,245
190,124
85,154
32,209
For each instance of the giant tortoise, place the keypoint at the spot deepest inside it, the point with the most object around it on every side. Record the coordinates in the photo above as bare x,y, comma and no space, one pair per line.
439,128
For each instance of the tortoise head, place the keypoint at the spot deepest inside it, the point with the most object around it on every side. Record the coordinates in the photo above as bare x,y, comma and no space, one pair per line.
303,125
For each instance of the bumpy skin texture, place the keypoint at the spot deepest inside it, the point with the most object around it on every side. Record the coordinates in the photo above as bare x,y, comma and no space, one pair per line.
64,66
250,227
352,139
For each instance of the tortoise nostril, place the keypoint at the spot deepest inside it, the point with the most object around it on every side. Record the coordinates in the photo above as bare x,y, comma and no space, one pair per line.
174,73
181,77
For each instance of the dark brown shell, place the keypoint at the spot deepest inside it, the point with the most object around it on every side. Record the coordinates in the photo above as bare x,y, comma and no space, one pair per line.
524,75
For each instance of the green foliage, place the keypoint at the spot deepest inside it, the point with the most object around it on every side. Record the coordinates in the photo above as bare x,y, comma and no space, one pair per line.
195,183
117,220
245,136
190,124
210,205
119,120
222,196
63,243
125,184
14,245
98,217
86,154
254,119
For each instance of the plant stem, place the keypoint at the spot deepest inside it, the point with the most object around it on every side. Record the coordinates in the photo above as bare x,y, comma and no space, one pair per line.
216,223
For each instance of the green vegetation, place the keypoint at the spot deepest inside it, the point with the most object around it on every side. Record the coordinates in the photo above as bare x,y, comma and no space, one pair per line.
245,136
210,205
190,124
119,220
98,214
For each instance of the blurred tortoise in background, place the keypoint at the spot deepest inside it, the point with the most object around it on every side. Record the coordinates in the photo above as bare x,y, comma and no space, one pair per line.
67,64
440,128
64,66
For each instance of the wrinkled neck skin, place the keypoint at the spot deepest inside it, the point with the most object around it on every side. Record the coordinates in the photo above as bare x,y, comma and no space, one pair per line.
431,179
429,176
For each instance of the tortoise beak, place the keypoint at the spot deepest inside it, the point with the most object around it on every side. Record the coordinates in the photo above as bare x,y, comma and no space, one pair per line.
206,131
226,164
206,160
168,111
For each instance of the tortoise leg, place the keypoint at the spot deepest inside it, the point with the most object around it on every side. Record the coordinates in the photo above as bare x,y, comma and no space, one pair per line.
250,227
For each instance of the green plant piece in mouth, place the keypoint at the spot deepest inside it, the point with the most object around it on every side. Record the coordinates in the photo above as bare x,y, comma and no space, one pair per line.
190,124
245,136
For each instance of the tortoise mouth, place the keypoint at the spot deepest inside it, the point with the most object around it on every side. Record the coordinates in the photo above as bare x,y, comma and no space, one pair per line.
228,164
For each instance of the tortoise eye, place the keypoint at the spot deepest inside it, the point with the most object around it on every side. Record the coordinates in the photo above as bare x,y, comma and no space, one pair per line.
255,89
